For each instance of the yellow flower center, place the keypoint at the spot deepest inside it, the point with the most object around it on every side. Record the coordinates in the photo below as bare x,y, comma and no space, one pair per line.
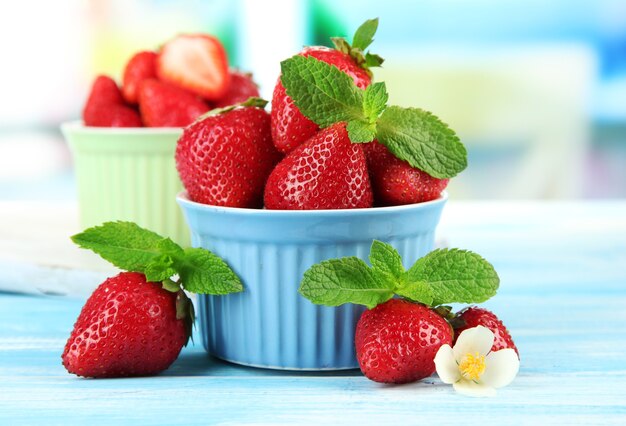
472,366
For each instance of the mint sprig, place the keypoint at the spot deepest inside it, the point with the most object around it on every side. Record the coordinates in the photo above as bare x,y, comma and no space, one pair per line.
440,277
326,95
132,248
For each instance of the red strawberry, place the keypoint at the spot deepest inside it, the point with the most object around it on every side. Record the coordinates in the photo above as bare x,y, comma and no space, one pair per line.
224,159
240,88
474,316
142,66
326,172
195,62
395,182
396,342
105,106
128,327
164,105
289,127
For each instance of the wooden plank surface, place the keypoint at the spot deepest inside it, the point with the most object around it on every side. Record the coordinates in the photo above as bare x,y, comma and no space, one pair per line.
563,297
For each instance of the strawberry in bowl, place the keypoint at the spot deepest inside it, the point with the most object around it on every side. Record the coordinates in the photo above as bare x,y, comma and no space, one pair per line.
318,180
124,147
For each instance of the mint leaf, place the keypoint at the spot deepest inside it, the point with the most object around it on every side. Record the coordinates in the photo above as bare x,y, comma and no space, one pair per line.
321,91
364,35
455,276
417,291
386,260
124,244
375,100
167,246
360,131
421,139
348,280
203,272
160,268
132,248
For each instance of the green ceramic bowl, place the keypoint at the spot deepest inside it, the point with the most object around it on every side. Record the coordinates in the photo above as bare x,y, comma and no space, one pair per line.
128,174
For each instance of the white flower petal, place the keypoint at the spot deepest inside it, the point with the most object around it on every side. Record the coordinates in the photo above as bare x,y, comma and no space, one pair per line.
446,366
501,367
470,388
478,339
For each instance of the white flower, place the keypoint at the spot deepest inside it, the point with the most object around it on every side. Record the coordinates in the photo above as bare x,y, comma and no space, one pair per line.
472,368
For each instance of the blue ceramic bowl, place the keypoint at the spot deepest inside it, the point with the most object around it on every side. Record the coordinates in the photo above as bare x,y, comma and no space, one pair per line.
270,324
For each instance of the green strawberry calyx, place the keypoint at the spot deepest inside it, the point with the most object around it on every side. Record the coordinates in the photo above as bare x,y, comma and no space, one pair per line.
363,37
253,101
441,277
132,248
327,95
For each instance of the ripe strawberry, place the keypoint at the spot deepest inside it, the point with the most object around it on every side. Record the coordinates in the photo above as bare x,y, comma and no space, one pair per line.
395,182
128,327
326,172
142,66
195,62
164,105
474,316
396,342
240,89
105,106
290,127
224,159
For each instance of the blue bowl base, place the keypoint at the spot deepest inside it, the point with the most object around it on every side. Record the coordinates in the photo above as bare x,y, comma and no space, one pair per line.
277,367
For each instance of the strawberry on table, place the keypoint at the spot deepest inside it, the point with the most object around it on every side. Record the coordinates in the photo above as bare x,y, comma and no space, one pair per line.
164,105
395,182
474,316
142,66
105,106
197,63
125,318
136,323
396,340
290,127
240,89
224,158
326,172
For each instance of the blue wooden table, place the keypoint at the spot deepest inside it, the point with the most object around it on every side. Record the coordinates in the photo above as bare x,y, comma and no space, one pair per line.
562,295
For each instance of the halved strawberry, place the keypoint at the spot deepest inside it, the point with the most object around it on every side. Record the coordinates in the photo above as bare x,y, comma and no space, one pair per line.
140,67
195,62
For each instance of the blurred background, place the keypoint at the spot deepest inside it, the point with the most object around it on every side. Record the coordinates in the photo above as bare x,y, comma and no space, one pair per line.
536,89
